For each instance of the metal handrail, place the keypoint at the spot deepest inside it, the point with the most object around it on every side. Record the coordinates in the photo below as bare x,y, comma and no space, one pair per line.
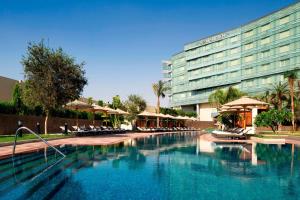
25,128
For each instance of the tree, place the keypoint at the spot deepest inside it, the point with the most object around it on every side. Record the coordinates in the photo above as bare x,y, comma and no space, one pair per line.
217,98
291,76
273,118
52,78
134,106
100,103
279,94
220,97
17,99
90,100
159,89
116,102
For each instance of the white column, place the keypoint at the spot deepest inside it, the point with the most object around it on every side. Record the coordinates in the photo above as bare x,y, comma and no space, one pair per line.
254,114
198,110
254,155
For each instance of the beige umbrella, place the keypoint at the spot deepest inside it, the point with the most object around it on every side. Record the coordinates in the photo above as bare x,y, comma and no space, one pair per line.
78,105
96,108
147,114
122,112
111,111
245,102
169,116
194,118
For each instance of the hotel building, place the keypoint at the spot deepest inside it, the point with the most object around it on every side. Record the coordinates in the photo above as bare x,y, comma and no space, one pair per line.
251,58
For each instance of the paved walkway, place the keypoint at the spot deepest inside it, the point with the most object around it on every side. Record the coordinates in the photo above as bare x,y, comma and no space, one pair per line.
281,140
98,140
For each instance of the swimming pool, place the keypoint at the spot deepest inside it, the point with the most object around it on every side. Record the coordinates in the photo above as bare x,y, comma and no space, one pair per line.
171,166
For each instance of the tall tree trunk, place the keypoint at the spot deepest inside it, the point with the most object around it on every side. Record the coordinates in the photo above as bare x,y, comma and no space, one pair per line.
279,108
157,111
291,83
46,122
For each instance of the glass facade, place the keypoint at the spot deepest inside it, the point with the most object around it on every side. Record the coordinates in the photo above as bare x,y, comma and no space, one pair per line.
251,57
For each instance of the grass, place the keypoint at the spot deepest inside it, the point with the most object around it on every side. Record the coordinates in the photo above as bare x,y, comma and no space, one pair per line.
11,138
271,135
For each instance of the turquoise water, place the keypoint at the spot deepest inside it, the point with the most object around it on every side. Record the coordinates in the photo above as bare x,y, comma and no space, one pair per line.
174,166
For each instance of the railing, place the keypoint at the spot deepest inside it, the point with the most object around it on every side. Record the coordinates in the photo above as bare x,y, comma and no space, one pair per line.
48,167
25,128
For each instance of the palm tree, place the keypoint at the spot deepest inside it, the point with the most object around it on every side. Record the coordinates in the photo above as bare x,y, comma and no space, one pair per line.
159,89
291,76
217,98
279,94
220,97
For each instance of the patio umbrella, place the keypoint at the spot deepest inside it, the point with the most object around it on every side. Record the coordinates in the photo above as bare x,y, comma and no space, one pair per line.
147,114
169,117
245,102
78,105
96,108
122,112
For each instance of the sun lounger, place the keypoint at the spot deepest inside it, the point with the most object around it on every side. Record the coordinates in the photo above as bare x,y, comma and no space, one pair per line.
238,133
63,129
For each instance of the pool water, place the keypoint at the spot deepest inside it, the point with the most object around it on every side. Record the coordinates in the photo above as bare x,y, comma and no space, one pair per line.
172,166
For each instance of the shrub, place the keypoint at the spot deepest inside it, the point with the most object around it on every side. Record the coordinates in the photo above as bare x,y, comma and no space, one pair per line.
272,118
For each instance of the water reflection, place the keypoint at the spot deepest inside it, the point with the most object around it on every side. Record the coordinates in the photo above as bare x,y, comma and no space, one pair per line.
171,166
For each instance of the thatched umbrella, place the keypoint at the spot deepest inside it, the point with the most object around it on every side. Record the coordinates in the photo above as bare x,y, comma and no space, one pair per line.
147,114
78,105
121,112
245,102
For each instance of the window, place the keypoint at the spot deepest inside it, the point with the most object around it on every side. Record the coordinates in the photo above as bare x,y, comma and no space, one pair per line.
284,63
207,69
249,46
234,62
265,27
181,78
249,33
265,40
234,51
219,55
265,54
249,58
284,48
234,39
195,72
233,74
284,20
220,66
207,47
249,71
220,43
284,34
265,67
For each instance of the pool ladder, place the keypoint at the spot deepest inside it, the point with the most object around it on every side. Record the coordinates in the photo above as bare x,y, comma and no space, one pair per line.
25,128
43,140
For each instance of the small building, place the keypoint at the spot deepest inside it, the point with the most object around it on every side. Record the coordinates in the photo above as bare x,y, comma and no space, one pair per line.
6,88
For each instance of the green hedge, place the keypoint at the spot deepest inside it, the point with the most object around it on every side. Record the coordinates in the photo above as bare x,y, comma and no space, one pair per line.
9,108
176,112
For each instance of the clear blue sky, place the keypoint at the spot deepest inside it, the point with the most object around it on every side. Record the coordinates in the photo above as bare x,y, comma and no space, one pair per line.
122,42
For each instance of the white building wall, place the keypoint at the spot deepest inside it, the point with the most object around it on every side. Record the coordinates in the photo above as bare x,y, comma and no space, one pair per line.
205,111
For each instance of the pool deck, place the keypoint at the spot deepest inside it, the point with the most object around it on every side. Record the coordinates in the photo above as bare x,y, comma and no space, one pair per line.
281,140
6,151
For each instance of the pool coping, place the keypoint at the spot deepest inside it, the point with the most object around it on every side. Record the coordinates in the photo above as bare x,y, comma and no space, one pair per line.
6,151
